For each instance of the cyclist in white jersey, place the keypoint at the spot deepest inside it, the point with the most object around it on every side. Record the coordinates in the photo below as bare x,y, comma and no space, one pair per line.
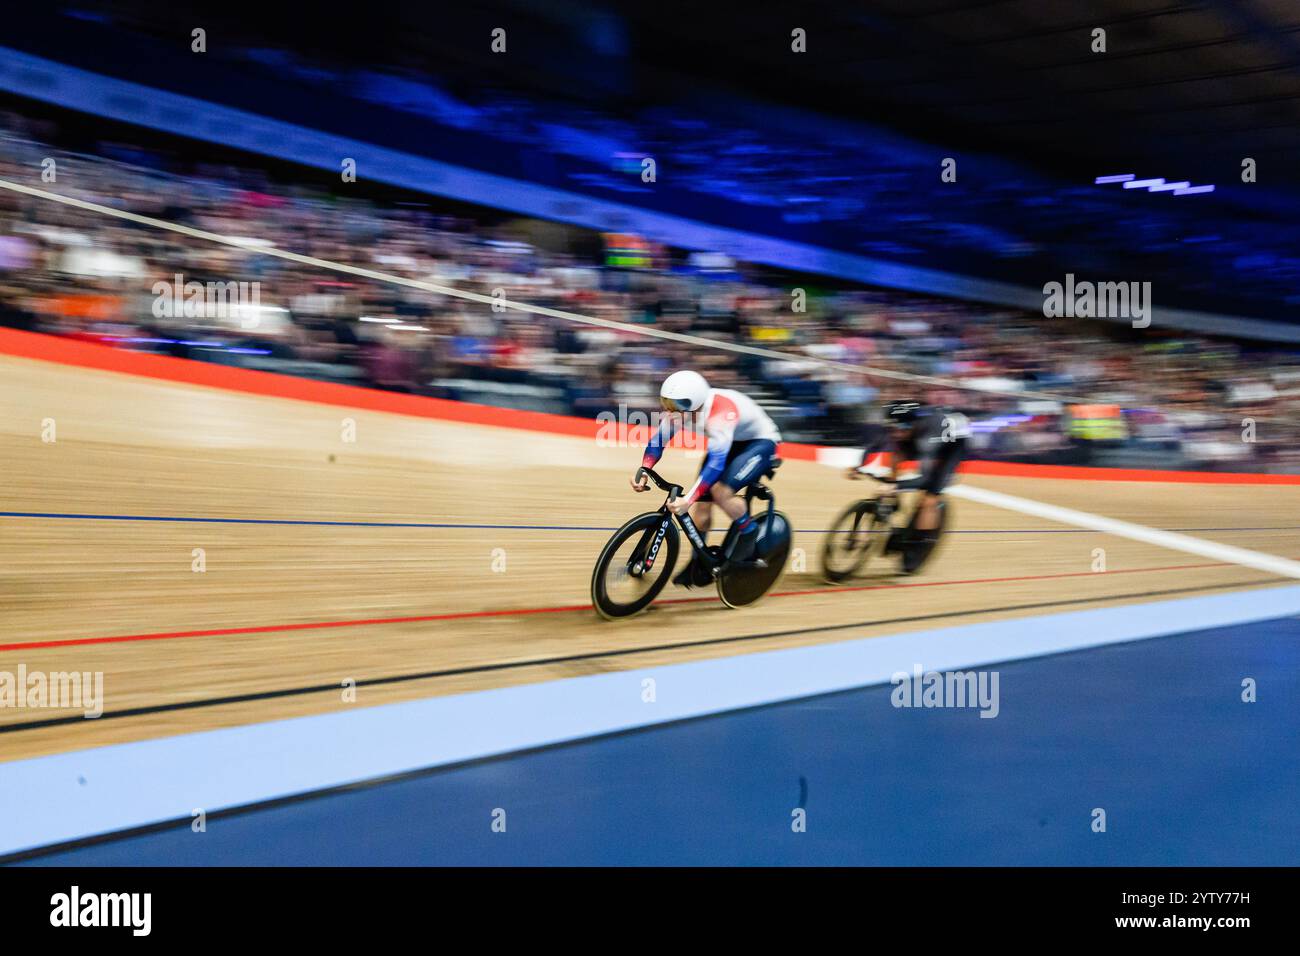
742,443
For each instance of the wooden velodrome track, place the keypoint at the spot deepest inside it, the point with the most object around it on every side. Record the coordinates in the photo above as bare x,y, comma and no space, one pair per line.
420,611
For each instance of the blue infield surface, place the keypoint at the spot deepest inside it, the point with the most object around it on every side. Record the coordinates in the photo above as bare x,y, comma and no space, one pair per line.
1154,732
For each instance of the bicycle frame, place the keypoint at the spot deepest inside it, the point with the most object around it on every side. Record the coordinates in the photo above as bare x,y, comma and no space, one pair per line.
715,564
890,506
887,504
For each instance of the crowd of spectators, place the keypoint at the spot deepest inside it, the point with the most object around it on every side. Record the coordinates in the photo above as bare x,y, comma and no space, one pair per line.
1185,401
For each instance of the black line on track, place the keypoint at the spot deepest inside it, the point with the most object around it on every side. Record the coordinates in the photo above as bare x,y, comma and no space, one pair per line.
592,655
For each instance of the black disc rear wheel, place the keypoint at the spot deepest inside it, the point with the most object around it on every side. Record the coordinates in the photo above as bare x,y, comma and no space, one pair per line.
854,536
621,584
917,553
739,587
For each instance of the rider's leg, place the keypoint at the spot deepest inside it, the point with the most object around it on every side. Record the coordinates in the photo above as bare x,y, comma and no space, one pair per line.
923,532
749,463
746,462
702,514
730,502
927,513
744,529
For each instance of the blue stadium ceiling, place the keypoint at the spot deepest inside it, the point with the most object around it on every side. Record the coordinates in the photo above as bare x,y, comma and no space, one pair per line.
1184,89
1190,87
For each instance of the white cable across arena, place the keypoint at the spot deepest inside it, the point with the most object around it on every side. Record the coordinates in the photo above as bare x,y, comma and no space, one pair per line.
695,340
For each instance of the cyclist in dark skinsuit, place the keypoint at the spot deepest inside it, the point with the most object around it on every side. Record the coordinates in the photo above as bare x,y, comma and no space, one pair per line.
934,438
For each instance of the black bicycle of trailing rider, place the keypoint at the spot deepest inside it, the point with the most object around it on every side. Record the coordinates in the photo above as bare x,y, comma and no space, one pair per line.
869,529
638,560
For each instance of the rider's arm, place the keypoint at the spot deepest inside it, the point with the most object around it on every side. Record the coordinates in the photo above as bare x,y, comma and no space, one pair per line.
659,441
875,439
720,431
714,464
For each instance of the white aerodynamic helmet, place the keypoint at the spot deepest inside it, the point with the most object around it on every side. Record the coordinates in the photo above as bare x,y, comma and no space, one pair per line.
684,391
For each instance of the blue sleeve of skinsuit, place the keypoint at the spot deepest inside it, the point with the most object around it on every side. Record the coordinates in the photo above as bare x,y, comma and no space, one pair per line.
658,442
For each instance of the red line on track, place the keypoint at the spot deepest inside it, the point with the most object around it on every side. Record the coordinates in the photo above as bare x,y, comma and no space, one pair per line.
520,612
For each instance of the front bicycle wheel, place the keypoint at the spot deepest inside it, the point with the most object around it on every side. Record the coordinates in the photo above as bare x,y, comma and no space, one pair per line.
634,565
853,537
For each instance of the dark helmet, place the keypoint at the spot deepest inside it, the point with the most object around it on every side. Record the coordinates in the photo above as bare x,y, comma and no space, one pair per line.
904,414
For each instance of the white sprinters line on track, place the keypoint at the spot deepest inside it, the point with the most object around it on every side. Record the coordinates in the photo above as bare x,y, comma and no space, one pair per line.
1126,529
258,248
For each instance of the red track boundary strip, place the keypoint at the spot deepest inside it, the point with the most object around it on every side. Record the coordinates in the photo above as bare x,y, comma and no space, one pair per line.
519,612
63,351
53,348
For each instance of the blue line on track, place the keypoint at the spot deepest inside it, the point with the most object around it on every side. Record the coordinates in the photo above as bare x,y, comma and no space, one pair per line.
292,521
514,527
